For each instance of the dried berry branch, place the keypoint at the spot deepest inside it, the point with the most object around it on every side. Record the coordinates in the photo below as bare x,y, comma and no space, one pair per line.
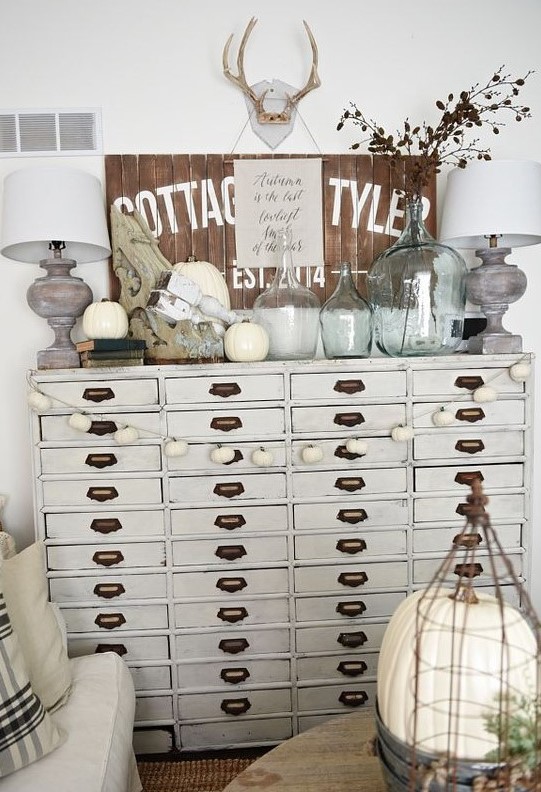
446,143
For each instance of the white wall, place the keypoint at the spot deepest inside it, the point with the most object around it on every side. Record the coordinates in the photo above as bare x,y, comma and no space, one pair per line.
155,70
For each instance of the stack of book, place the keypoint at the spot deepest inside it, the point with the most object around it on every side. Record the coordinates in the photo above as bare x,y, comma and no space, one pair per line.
111,352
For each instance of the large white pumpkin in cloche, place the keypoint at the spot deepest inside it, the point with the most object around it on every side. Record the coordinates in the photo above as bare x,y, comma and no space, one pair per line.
208,277
462,670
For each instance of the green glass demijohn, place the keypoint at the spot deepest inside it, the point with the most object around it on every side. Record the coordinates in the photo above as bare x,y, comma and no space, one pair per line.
417,292
346,320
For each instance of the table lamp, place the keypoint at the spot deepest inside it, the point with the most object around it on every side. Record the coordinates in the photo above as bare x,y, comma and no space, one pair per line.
47,210
493,206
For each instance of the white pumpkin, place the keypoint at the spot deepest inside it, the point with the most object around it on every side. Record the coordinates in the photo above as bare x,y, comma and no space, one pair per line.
443,417
401,434
175,448
262,457
484,394
126,435
312,454
440,644
208,277
38,401
221,455
356,445
520,372
246,342
105,319
80,422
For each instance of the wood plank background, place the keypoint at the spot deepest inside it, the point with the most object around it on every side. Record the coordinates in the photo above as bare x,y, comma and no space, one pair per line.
159,186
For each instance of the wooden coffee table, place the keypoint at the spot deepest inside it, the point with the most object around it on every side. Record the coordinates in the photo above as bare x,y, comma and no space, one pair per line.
333,757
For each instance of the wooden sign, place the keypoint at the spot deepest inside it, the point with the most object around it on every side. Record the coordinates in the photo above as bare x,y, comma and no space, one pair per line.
188,202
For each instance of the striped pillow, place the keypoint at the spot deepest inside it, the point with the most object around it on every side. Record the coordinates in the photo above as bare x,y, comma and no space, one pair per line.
26,731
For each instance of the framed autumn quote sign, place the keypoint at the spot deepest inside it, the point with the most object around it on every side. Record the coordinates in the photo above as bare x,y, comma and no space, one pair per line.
345,207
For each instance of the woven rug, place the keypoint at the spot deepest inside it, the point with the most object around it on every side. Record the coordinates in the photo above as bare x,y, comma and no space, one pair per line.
191,775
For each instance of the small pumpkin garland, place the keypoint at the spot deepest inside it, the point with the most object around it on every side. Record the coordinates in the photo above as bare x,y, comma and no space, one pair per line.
221,455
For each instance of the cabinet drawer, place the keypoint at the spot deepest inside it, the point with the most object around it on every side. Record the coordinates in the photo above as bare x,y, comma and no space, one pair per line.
458,478
225,612
227,551
227,644
506,507
107,587
88,525
347,608
350,577
359,481
347,385
343,698
130,648
101,459
230,583
230,520
424,569
355,417
223,735
106,491
362,514
233,674
468,445
105,556
337,667
357,638
103,392
455,381
246,486
108,619
151,677
224,389
153,708
247,703
223,425
104,425
468,413
198,456
345,545
379,449
429,540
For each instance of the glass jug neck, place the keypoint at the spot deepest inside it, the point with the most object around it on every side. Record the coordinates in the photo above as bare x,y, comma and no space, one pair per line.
285,273
414,232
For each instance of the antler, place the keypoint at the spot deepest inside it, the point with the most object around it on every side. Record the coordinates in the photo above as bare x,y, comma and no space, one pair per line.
240,81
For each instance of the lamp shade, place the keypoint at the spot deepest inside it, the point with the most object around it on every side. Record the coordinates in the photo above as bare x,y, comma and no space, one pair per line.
495,197
42,204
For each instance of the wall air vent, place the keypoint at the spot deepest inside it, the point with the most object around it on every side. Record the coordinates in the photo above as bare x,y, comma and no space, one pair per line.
38,133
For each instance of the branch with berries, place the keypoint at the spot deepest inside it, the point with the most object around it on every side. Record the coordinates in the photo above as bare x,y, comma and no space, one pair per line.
446,142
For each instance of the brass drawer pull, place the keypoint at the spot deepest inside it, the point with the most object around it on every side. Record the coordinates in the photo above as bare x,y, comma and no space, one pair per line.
350,608
229,521
102,428
349,386
106,525
230,552
237,457
353,698
467,477
470,414
342,453
470,446
226,424
469,382
230,585
235,706
351,546
98,394
229,490
468,540
102,494
120,649
352,579
109,590
109,621
232,615
101,460
107,557
468,570
352,516
352,640
233,645
351,668
224,389
466,509
349,419
350,484
234,675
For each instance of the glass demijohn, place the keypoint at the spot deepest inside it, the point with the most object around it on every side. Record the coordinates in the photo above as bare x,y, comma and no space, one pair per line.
417,291
346,320
288,311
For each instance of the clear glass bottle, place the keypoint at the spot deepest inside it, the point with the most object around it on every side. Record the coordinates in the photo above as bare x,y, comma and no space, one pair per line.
417,292
288,311
346,320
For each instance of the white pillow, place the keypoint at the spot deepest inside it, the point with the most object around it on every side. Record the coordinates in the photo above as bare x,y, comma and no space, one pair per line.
24,581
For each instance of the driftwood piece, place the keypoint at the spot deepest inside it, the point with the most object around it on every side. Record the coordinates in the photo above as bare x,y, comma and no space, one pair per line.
139,264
